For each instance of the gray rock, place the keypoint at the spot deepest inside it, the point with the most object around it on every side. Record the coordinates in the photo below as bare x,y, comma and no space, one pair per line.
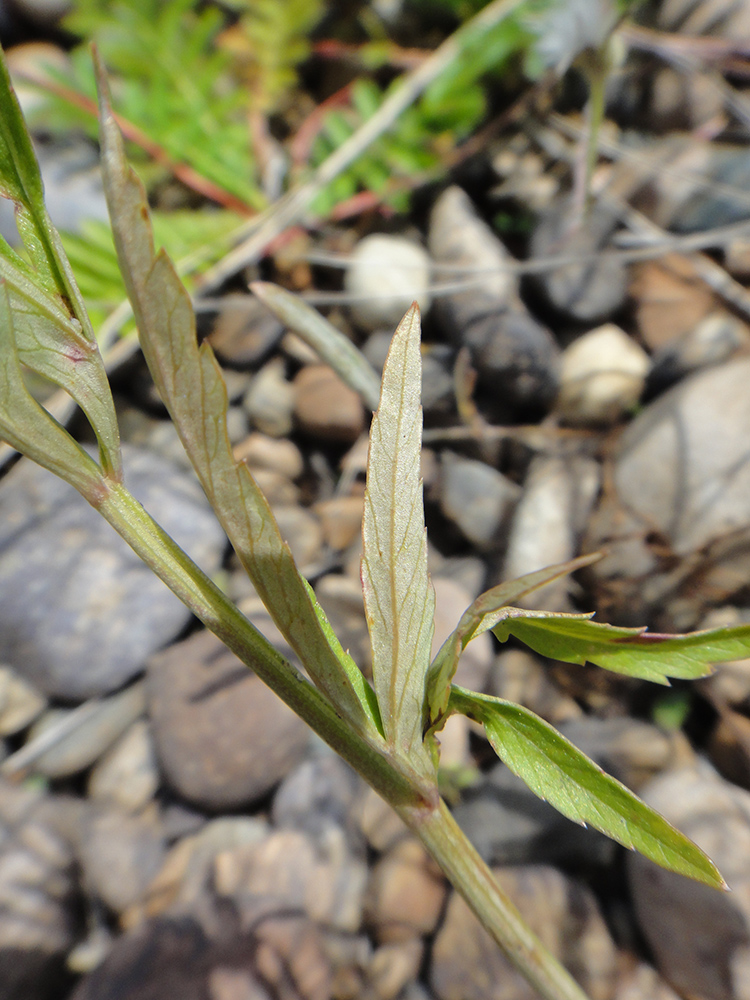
223,738
318,792
476,497
550,516
676,522
468,965
698,936
586,291
120,854
515,357
67,741
79,612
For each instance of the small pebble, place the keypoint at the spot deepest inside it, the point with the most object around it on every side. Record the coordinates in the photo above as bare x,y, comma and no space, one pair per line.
393,966
476,497
405,894
318,792
515,357
557,496
302,532
127,775
85,733
602,377
341,520
318,875
269,401
387,274
325,407
244,332
263,452
223,738
380,824
20,702
120,854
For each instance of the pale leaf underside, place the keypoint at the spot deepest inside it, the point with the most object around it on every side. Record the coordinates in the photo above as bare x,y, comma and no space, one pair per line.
399,600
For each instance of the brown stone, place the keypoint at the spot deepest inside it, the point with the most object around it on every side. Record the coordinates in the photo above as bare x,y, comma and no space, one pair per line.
222,737
670,299
406,893
325,407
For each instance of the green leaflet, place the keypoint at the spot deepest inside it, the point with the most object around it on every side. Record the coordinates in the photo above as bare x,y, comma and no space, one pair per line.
25,425
190,383
399,600
557,771
480,616
650,656
53,334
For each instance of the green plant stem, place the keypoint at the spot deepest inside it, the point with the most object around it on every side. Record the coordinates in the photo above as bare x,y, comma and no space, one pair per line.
162,554
461,862
426,815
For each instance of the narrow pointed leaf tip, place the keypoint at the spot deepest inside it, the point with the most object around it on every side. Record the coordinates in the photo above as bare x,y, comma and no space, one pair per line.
399,600
555,770
649,656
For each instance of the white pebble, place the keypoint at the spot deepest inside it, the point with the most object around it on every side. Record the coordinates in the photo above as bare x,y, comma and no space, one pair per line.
386,274
602,377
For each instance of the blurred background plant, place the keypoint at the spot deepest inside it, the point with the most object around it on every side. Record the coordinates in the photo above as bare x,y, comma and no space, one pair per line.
235,101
